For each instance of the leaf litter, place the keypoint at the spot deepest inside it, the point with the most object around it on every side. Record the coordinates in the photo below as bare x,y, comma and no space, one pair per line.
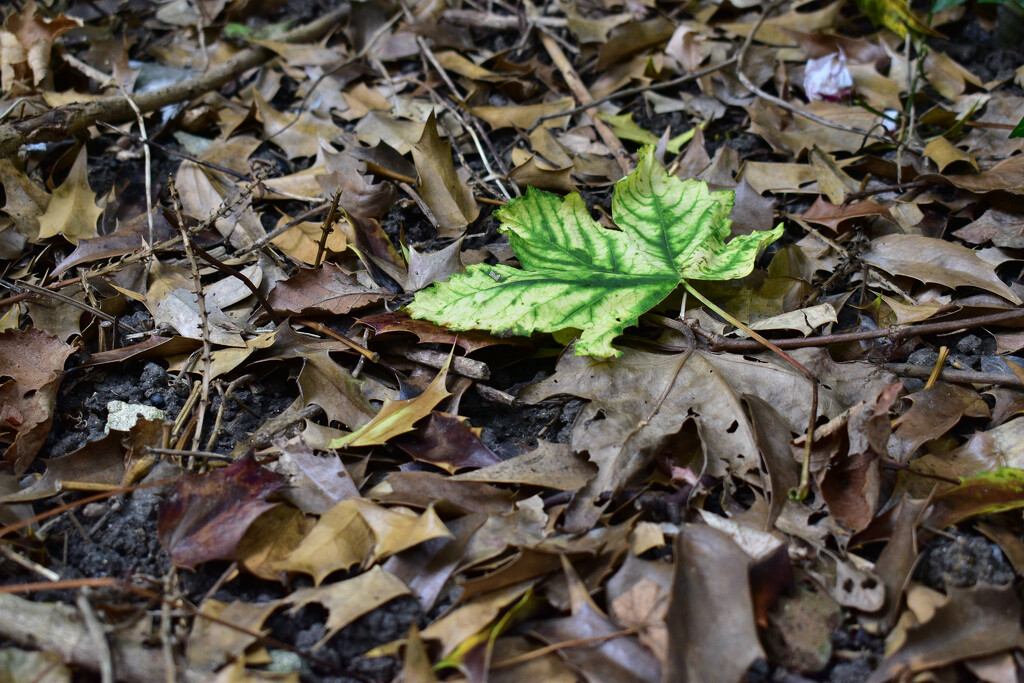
474,386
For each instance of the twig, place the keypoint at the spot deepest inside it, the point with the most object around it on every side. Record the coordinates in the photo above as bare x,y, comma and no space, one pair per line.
1006,379
241,277
853,196
497,22
204,317
460,365
224,394
895,334
99,638
277,232
325,230
579,90
366,353
176,152
43,291
207,455
73,120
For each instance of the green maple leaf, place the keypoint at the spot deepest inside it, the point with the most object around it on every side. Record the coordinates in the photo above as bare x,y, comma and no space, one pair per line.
579,275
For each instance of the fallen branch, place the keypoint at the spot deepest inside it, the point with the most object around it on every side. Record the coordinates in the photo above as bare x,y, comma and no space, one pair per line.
61,629
73,120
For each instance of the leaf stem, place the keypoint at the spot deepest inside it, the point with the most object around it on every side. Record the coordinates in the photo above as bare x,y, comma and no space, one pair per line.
801,491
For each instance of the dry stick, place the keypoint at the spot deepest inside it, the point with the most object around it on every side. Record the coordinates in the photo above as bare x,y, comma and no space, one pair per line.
73,120
802,490
498,22
366,353
239,275
224,394
277,232
554,647
896,333
204,316
579,90
325,230
99,638
176,603
1005,379
43,291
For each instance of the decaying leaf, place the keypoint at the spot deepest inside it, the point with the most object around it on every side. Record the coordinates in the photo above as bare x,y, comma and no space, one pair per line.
208,514
31,368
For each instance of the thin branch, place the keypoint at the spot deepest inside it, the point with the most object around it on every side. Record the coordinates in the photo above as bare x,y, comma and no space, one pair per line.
73,120
895,334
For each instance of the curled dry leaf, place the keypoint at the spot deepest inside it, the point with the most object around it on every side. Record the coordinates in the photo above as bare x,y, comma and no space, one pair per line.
936,261
31,369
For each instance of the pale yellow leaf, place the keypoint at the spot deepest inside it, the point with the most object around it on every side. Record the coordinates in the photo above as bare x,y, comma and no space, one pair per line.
72,211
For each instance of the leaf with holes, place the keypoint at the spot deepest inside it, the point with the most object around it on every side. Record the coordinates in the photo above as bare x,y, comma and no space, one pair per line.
579,275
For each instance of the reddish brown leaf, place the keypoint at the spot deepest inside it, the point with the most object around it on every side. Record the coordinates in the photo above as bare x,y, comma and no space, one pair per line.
823,212
448,442
209,513
328,290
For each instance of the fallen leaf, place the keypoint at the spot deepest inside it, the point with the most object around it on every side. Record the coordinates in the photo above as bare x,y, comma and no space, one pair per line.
350,599
327,290
448,442
72,210
31,369
579,275
552,465
616,660
711,604
936,261
640,397
208,514
447,195
398,417
976,622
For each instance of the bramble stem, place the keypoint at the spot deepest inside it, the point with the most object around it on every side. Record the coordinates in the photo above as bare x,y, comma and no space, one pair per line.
802,490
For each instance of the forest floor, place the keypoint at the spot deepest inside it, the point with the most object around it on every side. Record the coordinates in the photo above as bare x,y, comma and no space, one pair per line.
230,453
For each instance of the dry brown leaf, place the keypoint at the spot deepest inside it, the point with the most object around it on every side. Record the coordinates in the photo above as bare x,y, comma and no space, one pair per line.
26,201
711,604
641,396
447,195
31,369
327,290
350,599
72,211
936,261
398,417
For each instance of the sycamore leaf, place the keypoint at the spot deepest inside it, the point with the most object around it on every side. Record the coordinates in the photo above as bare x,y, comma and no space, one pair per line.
579,275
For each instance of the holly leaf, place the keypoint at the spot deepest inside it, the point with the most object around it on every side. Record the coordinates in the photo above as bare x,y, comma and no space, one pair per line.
579,275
